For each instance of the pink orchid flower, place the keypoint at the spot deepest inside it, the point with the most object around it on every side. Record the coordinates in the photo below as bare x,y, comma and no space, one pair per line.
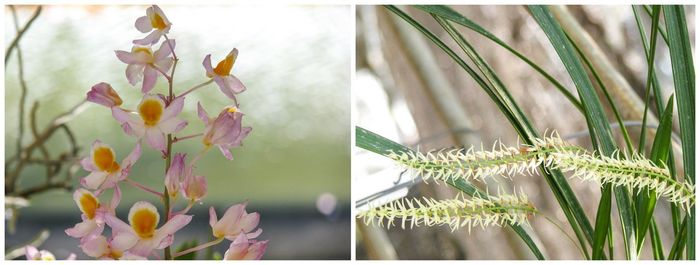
154,120
105,172
242,249
225,131
114,248
104,94
175,174
234,222
144,65
228,83
155,22
93,213
143,219
180,177
194,187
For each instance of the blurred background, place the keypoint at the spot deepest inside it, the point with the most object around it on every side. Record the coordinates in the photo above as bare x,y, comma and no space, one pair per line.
399,72
295,62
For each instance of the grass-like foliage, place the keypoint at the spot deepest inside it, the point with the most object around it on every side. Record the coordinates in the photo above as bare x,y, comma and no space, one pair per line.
633,175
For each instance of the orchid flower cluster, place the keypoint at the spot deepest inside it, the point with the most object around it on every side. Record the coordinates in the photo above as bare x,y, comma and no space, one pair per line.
156,119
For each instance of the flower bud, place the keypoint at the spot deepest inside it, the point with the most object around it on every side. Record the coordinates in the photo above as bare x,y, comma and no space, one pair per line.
103,94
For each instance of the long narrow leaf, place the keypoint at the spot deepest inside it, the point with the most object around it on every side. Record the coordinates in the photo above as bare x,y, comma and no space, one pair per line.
684,83
448,13
555,179
594,111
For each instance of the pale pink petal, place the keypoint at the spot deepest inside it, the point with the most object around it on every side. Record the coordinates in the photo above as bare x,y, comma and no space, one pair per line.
233,83
238,141
164,64
116,198
118,226
227,153
124,241
127,57
224,87
134,129
155,139
150,76
175,223
94,179
122,116
172,125
95,247
207,65
256,251
212,217
71,256
150,39
83,229
134,73
249,221
87,164
254,234
237,249
166,48
202,113
133,156
143,24
166,242
173,109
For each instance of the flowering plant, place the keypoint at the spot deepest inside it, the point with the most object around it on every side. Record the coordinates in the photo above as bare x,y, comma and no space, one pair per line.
155,118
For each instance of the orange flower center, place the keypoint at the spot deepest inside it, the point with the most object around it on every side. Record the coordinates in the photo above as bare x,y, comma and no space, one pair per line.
103,158
224,67
150,111
157,21
144,222
89,205
115,254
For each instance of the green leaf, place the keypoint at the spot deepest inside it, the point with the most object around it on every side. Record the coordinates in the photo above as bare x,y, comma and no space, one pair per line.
656,244
594,112
555,179
675,212
650,73
375,143
684,83
660,150
448,13
602,223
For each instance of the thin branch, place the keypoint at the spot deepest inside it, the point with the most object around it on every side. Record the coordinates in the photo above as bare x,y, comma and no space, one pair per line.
20,33
22,82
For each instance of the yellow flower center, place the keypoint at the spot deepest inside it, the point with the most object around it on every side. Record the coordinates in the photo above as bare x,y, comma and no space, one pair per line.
115,254
150,111
103,158
157,21
224,67
89,205
232,109
144,222
48,257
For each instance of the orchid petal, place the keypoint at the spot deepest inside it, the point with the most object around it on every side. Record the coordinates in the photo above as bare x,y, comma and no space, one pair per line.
143,24
155,139
150,76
